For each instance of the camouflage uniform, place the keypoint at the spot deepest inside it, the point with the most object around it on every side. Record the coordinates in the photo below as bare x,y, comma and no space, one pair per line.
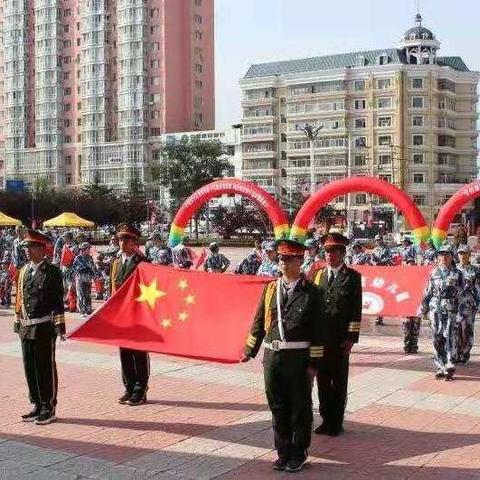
361,258
408,253
429,256
268,269
382,255
216,262
159,255
442,301
250,264
471,302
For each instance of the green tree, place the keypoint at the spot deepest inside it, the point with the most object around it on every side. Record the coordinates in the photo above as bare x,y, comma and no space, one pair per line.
243,217
135,202
188,165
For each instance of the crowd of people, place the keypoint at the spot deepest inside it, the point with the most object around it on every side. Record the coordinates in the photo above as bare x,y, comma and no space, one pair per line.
308,318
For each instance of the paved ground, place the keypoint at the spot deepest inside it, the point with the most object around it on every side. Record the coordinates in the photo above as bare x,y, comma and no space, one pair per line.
206,421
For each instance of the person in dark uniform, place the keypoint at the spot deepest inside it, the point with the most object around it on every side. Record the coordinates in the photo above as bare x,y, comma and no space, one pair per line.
342,290
135,363
288,323
39,319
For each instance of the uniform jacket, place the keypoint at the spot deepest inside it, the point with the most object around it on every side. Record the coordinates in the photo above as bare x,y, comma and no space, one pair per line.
300,315
343,305
120,272
38,296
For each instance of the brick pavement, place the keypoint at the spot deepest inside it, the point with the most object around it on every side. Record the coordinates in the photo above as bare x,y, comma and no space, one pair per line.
206,421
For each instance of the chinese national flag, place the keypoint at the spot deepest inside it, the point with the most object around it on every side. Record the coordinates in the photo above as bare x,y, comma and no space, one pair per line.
178,312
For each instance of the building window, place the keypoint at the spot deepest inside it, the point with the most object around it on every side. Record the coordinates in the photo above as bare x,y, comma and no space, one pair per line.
417,102
198,19
66,123
359,85
417,82
385,140
360,123
68,139
386,178
361,142
419,200
155,63
68,159
155,46
67,91
361,199
384,102
384,121
359,160
417,121
383,83
360,104
68,178
198,3
198,68
418,178
418,158
417,140
384,159
198,84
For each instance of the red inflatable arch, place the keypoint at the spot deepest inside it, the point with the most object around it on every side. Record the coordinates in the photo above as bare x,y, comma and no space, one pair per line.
371,185
447,213
233,186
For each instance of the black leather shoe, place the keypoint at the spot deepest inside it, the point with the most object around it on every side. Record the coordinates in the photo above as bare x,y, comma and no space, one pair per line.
321,429
137,398
335,432
295,465
30,417
45,418
124,398
279,464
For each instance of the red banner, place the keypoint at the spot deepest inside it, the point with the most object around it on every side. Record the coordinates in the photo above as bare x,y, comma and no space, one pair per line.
207,315
393,291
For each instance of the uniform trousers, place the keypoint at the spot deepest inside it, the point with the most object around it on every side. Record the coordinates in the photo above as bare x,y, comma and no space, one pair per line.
135,369
83,286
443,325
288,390
41,372
465,334
411,332
332,382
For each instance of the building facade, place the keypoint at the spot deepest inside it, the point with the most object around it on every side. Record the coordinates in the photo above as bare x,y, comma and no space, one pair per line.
88,84
402,114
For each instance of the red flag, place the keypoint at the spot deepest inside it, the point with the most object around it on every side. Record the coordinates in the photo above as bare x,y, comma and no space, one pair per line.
67,257
178,312
200,259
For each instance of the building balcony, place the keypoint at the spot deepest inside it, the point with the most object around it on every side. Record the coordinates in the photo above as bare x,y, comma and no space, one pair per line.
313,96
260,119
261,137
259,154
315,115
258,101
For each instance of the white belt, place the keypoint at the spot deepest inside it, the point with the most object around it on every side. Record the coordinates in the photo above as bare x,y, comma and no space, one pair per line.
277,345
27,322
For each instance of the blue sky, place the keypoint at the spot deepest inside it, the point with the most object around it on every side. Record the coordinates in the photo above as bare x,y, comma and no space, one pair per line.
251,31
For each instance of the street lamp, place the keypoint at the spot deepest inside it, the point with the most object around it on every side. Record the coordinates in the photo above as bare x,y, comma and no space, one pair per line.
311,131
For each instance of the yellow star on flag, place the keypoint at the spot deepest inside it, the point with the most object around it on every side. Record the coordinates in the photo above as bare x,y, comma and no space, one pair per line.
190,299
150,293
182,284
166,323
183,316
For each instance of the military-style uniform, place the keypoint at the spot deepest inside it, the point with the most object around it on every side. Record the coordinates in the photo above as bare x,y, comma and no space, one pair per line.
39,319
342,321
442,301
293,341
429,255
471,302
135,363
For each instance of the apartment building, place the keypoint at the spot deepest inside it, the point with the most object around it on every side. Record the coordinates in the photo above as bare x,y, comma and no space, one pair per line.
403,114
88,84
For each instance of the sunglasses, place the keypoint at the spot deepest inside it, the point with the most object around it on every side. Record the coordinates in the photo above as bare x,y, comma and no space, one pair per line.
289,258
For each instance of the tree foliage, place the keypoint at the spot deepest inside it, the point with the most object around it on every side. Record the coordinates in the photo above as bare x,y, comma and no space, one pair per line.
188,165
243,217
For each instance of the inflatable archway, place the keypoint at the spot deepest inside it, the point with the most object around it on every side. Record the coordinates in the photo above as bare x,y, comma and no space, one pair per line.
447,213
233,186
370,185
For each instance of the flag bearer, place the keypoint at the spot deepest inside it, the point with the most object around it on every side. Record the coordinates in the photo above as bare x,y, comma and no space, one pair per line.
135,363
